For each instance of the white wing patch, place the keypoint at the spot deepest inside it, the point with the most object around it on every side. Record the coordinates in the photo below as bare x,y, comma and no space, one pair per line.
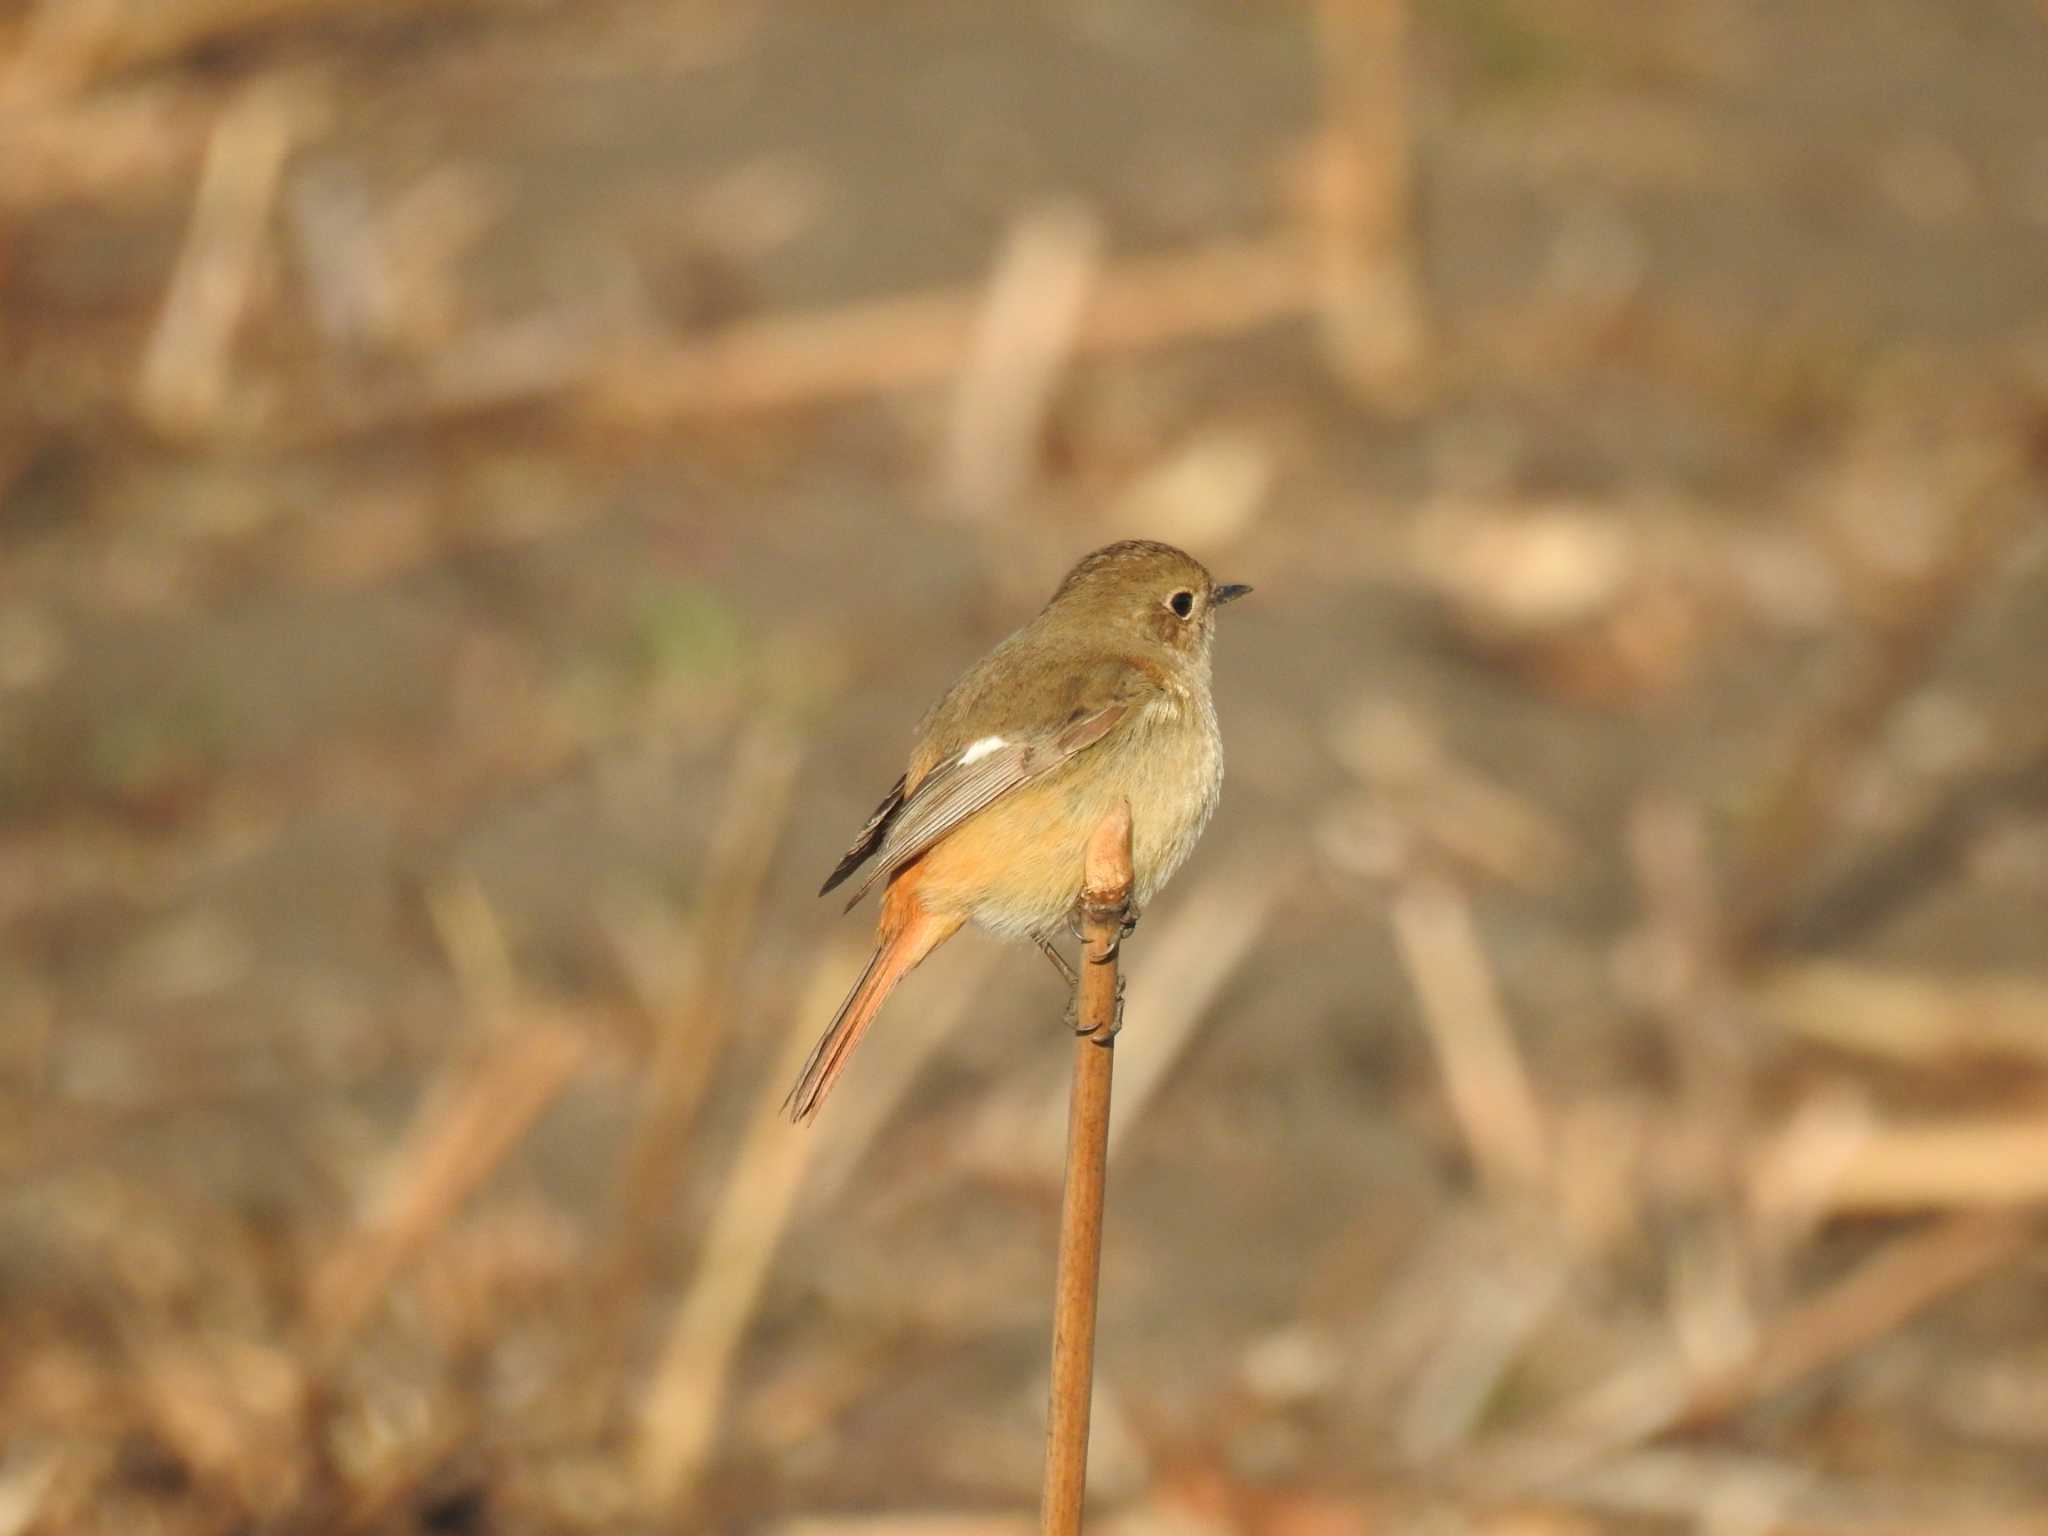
981,749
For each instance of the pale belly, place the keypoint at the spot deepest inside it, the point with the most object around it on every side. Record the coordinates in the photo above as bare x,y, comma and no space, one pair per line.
1015,868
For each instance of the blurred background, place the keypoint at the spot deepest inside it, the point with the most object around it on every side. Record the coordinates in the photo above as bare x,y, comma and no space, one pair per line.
487,489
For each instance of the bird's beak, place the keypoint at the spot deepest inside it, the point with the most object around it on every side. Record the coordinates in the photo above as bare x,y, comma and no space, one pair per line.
1229,592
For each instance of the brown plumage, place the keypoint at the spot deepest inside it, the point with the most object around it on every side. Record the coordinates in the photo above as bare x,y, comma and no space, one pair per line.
1103,696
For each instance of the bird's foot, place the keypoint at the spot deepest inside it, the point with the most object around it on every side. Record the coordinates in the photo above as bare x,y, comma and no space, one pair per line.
1116,1019
1078,917
1116,945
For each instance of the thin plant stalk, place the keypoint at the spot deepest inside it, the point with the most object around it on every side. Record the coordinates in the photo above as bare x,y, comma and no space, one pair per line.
1105,902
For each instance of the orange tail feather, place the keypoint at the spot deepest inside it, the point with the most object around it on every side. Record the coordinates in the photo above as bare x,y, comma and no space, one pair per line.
909,933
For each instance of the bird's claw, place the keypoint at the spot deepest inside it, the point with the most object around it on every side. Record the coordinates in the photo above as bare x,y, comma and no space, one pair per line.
1116,1019
1116,944
1125,916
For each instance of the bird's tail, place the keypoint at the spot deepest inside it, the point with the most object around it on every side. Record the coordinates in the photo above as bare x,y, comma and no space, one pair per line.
909,933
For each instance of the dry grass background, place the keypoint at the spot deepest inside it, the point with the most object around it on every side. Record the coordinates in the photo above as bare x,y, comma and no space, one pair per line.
484,488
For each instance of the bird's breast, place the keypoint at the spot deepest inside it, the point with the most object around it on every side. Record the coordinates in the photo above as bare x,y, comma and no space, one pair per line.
1016,866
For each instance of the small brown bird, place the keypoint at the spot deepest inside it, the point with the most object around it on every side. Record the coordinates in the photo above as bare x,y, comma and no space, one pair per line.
1103,697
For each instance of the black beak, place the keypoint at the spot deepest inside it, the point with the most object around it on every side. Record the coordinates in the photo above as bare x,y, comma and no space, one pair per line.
1229,592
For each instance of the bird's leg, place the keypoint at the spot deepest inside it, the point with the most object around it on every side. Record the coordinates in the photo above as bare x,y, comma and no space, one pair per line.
1073,979
1059,961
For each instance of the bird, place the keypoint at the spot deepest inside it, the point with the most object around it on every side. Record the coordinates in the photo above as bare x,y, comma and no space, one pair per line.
1103,697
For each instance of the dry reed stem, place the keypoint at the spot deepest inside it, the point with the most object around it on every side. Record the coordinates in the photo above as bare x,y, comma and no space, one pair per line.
1496,1311
1694,998
184,380
26,1480
1721,1491
905,343
1919,1018
1907,1277
478,954
1798,814
1105,899
104,149
388,275
908,1523
1637,1489
226,1412
1484,1075
1792,1173
71,43
1022,340
376,1503
831,356
1477,820
690,1002
457,1140
867,1102
1645,1401
1370,292
1415,1302
1982,1161
679,1414
463,1131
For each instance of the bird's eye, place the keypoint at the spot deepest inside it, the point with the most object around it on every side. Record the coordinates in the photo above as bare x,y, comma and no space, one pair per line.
1182,603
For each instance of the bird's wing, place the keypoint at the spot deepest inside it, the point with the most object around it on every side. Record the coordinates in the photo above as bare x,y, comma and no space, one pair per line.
870,836
983,770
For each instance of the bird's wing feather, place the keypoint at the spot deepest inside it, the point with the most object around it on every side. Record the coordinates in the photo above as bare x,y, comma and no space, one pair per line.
870,836
981,772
